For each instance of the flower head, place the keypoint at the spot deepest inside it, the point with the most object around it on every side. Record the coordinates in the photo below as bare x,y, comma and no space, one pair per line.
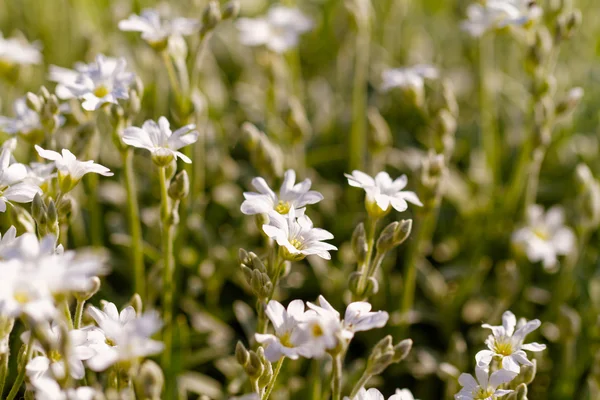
13,184
49,389
279,30
156,30
412,77
297,236
26,122
382,192
545,237
15,51
374,394
507,344
291,195
484,386
160,141
104,81
497,14
70,170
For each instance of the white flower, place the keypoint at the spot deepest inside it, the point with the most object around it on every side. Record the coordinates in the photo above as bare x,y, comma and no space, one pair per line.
485,387
364,394
122,337
25,122
7,241
291,195
383,192
279,30
507,344
297,236
160,141
40,173
70,170
402,394
497,14
156,30
545,237
358,316
15,51
104,81
49,389
13,188
413,77
52,363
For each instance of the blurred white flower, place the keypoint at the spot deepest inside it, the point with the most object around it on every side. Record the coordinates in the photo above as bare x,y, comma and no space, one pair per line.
7,241
409,77
484,386
156,30
497,14
364,394
507,344
402,394
70,170
13,186
122,337
40,173
383,192
160,141
104,81
49,389
279,30
291,195
24,122
51,363
16,51
297,236
358,316
545,237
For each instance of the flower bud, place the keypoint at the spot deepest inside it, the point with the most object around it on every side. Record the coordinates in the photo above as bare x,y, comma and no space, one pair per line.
247,274
359,243
65,206
394,235
521,392
149,381
266,376
44,94
33,102
529,371
90,292
402,349
353,282
380,136
180,186
231,10
38,208
210,17
137,304
254,368
52,219
242,355
381,356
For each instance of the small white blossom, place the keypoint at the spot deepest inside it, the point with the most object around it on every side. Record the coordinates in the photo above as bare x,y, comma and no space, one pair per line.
291,195
485,387
297,236
104,81
71,170
402,394
156,30
364,394
26,122
383,192
497,14
507,344
49,389
545,237
279,30
409,77
16,51
160,141
13,186
7,241
122,337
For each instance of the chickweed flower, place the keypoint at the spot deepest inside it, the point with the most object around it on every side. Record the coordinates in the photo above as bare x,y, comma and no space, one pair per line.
7,240
279,30
498,14
70,170
374,394
14,51
297,236
545,237
160,141
409,77
49,389
26,122
156,30
291,195
484,386
13,184
104,81
507,345
382,192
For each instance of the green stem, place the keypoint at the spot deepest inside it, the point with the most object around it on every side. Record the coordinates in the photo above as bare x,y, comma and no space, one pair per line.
262,322
274,379
533,177
360,384
366,265
134,225
487,105
3,370
67,313
358,133
21,375
172,75
95,212
336,377
79,313
168,268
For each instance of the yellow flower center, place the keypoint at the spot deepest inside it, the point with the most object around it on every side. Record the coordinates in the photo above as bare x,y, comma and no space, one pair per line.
283,207
54,356
482,394
286,340
317,331
541,233
503,348
21,297
296,243
101,91
110,342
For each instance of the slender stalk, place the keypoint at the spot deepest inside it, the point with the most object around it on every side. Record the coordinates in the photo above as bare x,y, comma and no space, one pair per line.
134,225
175,86
78,313
168,268
358,133
3,370
199,59
366,266
487,105
336,377
67,313
271,384
95,212
360,384
262,323
533,177
21,375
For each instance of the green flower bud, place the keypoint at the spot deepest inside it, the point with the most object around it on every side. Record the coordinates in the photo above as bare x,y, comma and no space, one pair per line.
266,376
242,355
372,287
38,208
88,294
380,137
402,349
149,381
359,244
231,10
521,392
210,17
33,102
394,235
353,282
529,371
254,368
44,94
247,274
180,186
381,356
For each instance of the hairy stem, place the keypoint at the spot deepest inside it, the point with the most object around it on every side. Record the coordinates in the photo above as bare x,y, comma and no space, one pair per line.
271,384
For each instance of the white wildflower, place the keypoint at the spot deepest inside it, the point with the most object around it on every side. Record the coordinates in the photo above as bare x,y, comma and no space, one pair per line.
49,389
156,30
7,241
507,344
382,192
297,236
70,170
409,77
402,394
484,386
545,237
13,187
291,195
15,51
279,30
160,141
26,122
498,14
104,81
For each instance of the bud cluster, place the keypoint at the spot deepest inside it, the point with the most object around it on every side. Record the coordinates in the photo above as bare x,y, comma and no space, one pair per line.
46,105
255,364
256,274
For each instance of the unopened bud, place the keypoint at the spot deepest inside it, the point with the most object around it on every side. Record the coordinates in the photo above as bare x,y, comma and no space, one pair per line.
394,235
529,371
247,274
231,10
381,356
137,304
33,102
44,93
38,208
521,392
149,381
210,17
359,243
242,355
91,291
254,368
180,186
353,283
381,135
65,206
266,376
402,349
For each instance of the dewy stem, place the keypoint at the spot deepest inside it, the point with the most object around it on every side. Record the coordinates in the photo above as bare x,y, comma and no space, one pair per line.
336,377
21,375
274,379
134,225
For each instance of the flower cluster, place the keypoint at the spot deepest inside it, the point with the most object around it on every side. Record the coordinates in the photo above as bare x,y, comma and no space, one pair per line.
497,14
